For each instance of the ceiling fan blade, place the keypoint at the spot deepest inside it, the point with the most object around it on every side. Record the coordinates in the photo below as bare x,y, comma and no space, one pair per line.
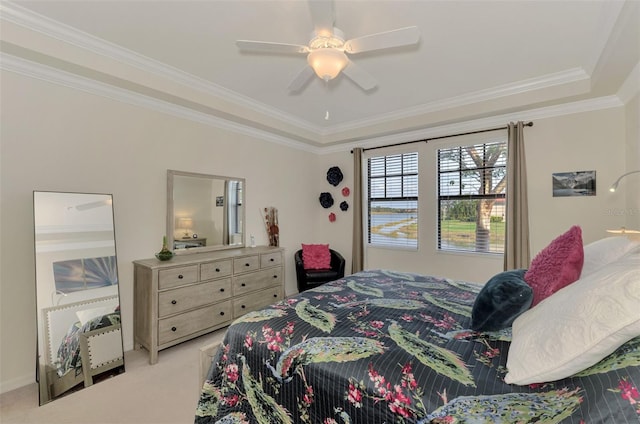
93,205
301,79
360,76
322,16
383,40
269,47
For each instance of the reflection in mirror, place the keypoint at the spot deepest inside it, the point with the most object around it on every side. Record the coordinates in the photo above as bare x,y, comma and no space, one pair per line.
204,212
78,308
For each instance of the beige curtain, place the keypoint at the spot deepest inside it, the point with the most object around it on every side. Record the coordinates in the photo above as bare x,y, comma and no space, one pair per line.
516,244
357,253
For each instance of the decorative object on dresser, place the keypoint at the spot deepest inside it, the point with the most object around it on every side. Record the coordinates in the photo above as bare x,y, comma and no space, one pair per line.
195,294
271,223
164,254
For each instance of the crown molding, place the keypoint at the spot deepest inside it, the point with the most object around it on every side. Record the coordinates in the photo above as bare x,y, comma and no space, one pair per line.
42,72
18,15
24,17
28,19
520,87
582,106
631,85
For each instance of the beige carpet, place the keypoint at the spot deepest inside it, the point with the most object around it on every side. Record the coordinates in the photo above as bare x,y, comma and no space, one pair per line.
166,392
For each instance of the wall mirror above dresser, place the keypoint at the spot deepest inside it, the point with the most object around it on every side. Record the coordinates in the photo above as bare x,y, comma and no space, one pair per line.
77,295
204,212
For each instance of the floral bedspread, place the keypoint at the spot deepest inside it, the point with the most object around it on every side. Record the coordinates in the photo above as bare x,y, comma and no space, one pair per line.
388,347
69,351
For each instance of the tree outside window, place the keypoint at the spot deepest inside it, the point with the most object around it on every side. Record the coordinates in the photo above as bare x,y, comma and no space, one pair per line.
471,197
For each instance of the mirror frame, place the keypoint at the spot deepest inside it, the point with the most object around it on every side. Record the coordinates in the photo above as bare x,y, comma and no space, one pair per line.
171,213
53,318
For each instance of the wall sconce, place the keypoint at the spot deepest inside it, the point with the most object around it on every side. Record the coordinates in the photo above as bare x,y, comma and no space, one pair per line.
185,224
614,186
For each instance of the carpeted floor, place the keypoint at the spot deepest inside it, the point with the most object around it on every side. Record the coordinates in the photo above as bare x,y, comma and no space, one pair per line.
166,392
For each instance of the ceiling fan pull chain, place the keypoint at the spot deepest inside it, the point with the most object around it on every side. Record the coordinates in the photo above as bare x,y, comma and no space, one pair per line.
326,113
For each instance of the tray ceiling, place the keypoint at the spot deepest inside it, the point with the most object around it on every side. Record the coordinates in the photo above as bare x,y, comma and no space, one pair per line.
474,59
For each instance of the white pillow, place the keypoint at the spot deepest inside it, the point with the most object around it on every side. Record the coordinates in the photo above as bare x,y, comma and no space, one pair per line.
89,314
604,251
577,326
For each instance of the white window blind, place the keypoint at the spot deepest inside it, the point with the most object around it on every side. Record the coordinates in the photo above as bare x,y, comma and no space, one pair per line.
471,197
393,200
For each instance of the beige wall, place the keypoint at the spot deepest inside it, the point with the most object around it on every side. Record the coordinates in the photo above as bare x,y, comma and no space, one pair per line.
577,142
631,187
54,138
58,139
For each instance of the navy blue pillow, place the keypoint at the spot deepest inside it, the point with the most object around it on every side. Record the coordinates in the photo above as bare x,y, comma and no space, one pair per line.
501,300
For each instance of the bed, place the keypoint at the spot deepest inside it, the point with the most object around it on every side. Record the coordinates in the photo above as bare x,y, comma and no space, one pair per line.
381,346
83,340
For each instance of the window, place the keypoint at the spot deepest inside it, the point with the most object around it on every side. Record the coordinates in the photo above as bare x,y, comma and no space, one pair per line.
471,197
234,197
393,200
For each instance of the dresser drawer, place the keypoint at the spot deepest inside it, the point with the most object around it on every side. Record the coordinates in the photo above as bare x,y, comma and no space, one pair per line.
257,300
270,259
257,281
217,269
189,297
246,264
192,295
173,277
182,325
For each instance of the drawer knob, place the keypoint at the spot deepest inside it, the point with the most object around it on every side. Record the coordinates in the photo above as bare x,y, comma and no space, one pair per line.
247,264
217,269
243,306
221,290
180,277
275,295
243,285
173,302
271,259
221,313
275,276
173,329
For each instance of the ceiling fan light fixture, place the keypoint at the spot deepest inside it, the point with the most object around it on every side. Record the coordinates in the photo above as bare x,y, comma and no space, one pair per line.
327,62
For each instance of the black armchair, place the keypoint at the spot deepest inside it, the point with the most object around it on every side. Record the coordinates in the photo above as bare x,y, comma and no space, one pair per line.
310,278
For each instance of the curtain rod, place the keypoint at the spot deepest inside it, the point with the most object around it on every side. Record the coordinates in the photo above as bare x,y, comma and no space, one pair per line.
426,140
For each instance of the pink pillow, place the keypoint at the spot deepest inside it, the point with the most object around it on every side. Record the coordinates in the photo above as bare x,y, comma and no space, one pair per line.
316,256
557,265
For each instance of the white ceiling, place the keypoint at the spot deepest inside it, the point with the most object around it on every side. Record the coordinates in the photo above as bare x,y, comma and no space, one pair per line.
475,58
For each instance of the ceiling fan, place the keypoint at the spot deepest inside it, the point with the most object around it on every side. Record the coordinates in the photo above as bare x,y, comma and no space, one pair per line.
327,50
91,205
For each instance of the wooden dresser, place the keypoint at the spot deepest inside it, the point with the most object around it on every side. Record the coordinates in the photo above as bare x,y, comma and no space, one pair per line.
191,295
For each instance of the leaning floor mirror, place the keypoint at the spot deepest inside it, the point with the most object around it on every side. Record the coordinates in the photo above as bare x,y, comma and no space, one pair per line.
78,307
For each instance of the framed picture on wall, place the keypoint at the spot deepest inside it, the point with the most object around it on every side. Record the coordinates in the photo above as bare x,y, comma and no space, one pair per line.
577,183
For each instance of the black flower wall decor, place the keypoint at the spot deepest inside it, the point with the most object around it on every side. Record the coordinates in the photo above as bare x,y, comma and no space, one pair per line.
334,176
344,206
326,200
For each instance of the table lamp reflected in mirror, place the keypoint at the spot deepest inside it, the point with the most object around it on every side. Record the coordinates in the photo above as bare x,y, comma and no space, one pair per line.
185,224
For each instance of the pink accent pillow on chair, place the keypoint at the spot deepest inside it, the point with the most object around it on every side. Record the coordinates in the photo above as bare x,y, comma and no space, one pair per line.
316,256
557,265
